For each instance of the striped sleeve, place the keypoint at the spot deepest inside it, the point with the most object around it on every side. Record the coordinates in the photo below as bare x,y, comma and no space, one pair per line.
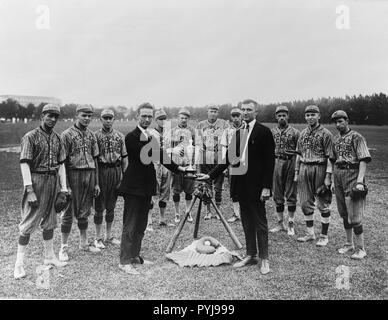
61,152
361,148
333,154
124,152
299,145
328,143
27,149
95,149
66,143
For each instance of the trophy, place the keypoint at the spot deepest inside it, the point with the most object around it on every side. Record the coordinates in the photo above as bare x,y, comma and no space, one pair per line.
190,171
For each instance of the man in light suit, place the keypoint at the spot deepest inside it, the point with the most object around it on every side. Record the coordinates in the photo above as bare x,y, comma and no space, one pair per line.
252,182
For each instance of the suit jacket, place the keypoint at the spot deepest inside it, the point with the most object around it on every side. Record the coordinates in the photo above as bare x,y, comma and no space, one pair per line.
140,178
260,164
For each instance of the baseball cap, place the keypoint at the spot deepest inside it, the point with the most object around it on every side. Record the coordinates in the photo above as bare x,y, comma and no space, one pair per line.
107,112
184,111
85,108
312,108
160,113
281,109
235,111
213,107
339,114
52,108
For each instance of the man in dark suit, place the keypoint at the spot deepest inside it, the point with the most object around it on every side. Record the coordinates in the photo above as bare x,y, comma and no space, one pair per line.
252,174
138,186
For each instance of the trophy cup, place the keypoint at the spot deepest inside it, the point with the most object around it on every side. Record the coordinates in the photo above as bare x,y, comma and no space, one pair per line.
190,171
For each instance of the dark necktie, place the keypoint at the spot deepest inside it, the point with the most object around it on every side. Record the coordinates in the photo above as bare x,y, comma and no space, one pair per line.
238,142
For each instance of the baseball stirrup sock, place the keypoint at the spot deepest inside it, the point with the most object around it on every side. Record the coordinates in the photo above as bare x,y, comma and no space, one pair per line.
176,197
188,197
109,217
82,225
65,229
162,204
48,234
98,218
358,229
347,225
291,208
24,239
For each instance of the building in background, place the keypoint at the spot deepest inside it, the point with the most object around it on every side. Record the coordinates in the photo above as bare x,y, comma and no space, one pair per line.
26,100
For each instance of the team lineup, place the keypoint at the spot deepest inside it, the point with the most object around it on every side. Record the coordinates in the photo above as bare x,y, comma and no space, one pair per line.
91,169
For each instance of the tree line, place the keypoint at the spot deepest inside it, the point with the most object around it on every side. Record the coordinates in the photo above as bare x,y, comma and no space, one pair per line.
368,109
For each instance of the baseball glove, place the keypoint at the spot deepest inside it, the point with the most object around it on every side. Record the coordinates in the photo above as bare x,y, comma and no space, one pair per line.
356,194
324,193
62,201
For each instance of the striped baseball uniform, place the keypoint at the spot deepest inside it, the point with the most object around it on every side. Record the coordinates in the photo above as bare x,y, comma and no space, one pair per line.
314,147
112,150
163,175
81,149
210,137
180,136
44,152
226,140
286,140
347,152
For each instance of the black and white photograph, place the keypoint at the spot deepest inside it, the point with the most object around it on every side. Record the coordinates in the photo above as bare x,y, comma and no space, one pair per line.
194,154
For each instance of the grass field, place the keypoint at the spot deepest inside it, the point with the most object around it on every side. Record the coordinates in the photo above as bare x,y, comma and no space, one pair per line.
299,271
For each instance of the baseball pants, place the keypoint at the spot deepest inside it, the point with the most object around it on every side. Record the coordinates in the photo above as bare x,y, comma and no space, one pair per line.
82,184
179,184
45,187
163,177
284,186
353,210
311,177
218,182
109,179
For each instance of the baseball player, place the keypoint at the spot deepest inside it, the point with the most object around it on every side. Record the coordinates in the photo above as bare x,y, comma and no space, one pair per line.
313,170
163,175
284,188
226,139
350,155
82,174
210,132
176,141
112,163
42,165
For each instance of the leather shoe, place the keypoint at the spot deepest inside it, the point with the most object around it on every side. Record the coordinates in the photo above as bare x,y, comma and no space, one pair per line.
145,262
129,269
247,261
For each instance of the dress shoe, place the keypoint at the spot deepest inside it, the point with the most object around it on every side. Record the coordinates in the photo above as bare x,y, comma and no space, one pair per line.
129,269
145,262
247,261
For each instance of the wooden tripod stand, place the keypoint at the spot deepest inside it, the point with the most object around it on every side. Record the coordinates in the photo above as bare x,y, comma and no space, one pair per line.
202,192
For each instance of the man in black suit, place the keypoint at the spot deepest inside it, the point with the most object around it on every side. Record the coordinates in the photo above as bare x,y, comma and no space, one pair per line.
138,186
251,154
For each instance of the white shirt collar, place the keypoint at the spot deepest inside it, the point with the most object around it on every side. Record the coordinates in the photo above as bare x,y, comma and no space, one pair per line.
251,124
144,131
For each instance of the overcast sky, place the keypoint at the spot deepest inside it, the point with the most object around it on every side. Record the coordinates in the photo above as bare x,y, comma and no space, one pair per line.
192,52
